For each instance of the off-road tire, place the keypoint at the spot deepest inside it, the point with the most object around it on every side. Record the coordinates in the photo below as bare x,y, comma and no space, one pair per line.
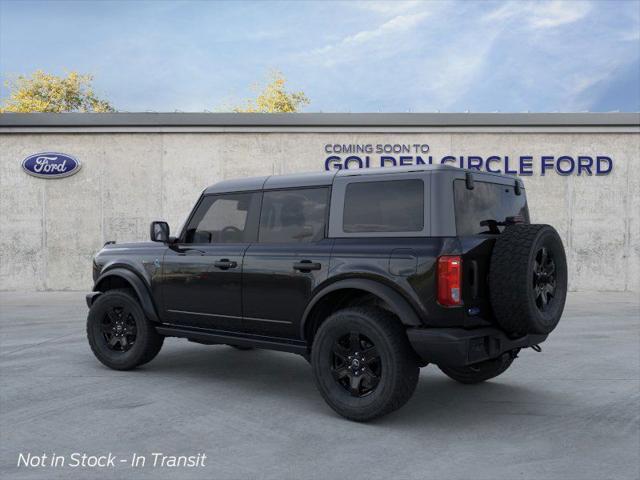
147,343
397,362
480,371
513,279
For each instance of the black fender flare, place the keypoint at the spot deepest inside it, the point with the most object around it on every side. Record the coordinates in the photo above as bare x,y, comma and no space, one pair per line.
138,285
397,302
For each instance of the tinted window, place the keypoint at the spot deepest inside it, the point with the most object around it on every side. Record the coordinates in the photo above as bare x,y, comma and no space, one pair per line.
224,219
384,206
293,215
487,201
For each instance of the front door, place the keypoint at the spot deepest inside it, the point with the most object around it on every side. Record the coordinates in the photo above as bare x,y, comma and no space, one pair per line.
202,271
289,260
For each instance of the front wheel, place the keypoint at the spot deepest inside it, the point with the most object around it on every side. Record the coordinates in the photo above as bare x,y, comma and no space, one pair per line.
119,333
363,364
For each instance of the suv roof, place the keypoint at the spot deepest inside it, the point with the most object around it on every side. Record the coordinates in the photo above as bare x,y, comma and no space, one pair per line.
326,178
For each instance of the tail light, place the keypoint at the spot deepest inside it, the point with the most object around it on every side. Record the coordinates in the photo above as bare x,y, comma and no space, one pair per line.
449,280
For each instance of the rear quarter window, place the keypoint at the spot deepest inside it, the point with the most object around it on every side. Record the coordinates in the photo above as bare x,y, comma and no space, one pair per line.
384,206
487,201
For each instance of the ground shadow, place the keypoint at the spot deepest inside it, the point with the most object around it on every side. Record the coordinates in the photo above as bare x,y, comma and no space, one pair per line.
437,399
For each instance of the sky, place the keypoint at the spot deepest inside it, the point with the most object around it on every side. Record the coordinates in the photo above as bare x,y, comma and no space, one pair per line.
356,56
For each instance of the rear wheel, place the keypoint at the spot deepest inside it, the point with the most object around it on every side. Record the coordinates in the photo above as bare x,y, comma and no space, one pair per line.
480,371
119,334
363,364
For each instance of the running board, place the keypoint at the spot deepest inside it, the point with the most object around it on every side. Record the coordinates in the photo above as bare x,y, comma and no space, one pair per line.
233,338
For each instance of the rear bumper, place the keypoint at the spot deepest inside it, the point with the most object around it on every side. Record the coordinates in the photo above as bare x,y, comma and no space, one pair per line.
457,347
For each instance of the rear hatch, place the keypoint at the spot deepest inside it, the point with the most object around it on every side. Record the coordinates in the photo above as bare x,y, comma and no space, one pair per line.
482,212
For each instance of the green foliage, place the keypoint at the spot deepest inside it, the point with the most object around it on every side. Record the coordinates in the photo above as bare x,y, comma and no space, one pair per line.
275,99
44,92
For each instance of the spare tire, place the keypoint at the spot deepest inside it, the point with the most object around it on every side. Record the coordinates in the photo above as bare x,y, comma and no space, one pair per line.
528,279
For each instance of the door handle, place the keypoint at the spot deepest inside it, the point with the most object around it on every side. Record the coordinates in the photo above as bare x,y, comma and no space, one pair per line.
306,266
225,264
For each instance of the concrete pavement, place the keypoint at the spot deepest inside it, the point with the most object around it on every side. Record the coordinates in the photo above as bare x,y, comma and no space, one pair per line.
570,412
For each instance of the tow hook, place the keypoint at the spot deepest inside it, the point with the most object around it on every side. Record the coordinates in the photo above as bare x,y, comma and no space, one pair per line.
536,348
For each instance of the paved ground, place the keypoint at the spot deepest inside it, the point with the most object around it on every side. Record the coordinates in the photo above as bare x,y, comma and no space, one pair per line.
571,412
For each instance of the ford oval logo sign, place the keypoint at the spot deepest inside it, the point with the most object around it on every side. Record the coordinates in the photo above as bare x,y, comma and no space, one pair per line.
50,165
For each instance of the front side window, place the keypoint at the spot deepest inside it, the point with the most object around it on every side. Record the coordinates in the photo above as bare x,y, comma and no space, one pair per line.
224,219
293,215
486,203
384,206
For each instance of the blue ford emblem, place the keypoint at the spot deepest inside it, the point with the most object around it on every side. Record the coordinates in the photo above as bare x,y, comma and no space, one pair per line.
50,165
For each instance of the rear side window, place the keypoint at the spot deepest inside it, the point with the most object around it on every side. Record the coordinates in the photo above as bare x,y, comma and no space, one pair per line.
293,216
384,206
486,202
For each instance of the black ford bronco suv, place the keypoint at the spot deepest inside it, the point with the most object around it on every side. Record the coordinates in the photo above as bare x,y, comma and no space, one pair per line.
369,274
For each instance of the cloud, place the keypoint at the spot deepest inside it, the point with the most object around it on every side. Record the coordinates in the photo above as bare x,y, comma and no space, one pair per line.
349,56
548,67
383,39
630,36
617,91
429,67
401,23
554,14
541,15
451,75
389,7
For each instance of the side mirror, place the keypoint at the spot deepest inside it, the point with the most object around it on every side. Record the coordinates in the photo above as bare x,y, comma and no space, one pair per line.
159,232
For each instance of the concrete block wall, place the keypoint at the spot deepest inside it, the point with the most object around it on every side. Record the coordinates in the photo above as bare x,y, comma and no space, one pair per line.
49,229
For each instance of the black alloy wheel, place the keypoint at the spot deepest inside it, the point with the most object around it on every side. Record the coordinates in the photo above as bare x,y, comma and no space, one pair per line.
356,364
544,282
119,333
119,328
363,363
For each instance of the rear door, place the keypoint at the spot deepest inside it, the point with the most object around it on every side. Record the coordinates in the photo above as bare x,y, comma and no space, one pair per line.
289,260
202,272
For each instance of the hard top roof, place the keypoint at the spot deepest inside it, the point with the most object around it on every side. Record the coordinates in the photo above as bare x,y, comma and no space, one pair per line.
273,181
316,179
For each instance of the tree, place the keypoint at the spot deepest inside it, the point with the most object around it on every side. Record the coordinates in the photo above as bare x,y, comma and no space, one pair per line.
275,99
44,92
